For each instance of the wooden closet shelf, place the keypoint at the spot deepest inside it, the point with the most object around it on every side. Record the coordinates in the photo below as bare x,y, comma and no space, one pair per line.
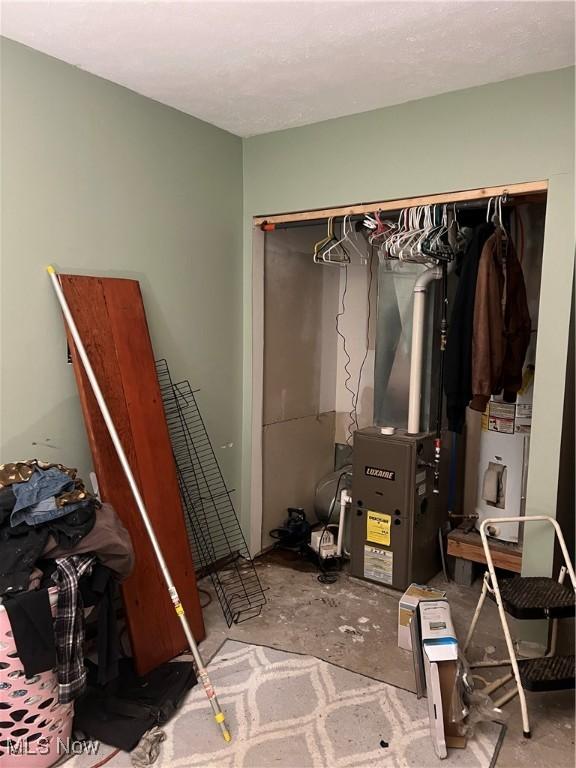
513,190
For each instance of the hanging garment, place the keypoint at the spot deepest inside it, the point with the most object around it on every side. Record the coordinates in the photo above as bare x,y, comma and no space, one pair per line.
100,589
108,540
33,630
69,626
501,324
458,360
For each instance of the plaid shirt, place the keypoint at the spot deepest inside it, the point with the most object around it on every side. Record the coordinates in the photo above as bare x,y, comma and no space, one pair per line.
69,626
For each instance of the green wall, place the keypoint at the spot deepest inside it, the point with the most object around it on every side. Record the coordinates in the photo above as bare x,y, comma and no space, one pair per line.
514,131
101,181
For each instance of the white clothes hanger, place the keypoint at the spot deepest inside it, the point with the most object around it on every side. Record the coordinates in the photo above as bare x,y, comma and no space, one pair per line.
350,237
329,253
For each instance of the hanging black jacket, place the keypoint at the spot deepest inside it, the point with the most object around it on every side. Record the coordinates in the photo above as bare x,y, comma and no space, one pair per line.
458,360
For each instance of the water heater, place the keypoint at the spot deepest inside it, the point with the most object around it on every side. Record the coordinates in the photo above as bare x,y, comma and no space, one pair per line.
503,464
502,481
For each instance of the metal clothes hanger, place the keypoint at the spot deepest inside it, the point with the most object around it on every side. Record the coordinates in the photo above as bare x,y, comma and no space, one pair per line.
324,241
497,218
501,200
440,247
381,230
490,201
330,249
428,227
407,248
388,244
350,238
393,243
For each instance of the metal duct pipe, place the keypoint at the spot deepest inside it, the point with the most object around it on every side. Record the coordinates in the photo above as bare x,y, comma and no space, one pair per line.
418,321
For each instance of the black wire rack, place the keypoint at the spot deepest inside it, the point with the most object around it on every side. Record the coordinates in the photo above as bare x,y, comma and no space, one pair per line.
215,535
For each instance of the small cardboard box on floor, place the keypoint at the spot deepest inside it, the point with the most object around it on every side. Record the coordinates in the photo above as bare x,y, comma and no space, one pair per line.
407,608
440,658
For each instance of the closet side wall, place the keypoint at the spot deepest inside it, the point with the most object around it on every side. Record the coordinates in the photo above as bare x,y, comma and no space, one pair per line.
102,181
299,327
300,305
508,132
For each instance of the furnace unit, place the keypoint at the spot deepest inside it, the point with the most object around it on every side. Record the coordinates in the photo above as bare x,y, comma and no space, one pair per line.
395,515
398,502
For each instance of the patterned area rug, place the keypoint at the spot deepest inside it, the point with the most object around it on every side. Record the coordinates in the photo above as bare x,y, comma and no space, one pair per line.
291,711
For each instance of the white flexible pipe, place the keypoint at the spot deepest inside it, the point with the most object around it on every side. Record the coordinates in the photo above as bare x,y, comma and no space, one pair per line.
344,500
178,607
417,353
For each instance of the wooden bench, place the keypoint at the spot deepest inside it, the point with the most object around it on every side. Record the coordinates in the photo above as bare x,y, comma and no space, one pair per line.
467,547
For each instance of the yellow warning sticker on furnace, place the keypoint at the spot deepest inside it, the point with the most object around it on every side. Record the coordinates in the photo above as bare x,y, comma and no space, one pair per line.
378,528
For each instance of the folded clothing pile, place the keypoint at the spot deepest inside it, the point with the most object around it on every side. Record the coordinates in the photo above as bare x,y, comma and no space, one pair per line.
36,500
54,533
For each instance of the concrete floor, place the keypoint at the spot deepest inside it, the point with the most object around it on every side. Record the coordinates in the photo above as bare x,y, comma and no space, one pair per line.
353,624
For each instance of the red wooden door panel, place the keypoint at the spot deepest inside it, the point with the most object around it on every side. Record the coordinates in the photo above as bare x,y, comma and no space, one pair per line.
109,313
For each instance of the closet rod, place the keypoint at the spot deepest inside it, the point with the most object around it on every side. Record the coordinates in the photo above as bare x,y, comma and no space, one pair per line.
511,190
463,206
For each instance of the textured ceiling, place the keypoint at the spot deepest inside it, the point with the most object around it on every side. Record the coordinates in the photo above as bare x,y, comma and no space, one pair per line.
253,67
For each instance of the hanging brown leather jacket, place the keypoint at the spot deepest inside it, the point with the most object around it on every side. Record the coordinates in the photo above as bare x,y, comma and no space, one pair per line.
501,331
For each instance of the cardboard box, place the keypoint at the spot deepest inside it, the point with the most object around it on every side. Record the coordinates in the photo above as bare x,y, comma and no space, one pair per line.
407,606
440,656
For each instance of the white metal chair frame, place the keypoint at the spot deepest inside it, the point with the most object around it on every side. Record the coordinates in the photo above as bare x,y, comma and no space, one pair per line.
490,584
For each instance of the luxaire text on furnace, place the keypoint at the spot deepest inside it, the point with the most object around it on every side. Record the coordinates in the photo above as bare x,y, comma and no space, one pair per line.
383,474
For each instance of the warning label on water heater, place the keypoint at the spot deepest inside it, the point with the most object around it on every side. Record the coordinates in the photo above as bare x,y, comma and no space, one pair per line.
378,528
378,564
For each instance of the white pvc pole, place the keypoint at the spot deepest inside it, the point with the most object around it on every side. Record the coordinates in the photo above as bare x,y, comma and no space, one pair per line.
178,607
417,352
416,363
344,499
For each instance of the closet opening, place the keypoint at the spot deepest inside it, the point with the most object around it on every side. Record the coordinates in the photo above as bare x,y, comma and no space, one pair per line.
335,346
